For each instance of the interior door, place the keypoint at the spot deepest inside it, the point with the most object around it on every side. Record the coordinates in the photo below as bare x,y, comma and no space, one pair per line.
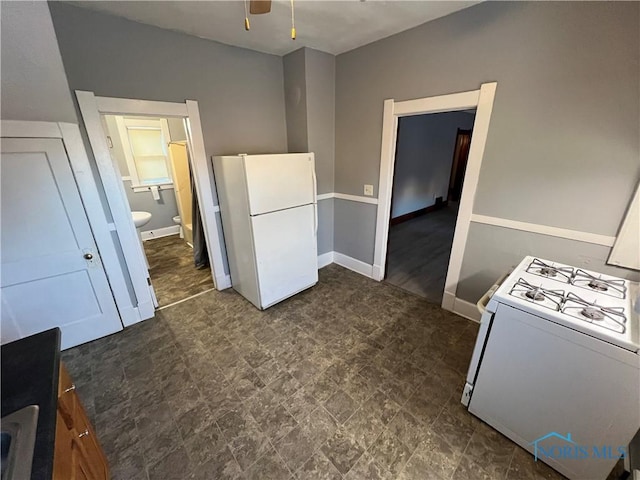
52,275
459,164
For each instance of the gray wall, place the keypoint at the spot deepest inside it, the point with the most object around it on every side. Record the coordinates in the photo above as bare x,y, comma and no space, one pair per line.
162,211
309,84
563,145
321,100
176,129
320,80
424,155
34,85
295,97
239,92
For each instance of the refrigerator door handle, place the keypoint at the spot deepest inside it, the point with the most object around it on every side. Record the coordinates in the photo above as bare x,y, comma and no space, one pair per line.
315,197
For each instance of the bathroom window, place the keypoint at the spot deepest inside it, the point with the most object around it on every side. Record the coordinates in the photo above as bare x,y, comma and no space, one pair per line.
145,144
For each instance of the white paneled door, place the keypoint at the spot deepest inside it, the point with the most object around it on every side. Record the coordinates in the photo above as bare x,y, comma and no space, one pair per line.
52,275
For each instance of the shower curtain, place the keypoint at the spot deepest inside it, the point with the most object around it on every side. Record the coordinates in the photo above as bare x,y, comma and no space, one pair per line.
200,255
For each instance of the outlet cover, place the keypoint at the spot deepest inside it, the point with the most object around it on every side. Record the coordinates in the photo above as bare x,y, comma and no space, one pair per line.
368,190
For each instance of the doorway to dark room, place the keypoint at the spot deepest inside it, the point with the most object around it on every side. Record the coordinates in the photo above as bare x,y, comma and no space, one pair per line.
431,157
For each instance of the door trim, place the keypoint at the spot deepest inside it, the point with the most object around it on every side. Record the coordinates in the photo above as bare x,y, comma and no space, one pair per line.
482,100
91,107
69,133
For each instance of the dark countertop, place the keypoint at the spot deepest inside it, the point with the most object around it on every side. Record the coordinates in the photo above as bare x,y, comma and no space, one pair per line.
30,369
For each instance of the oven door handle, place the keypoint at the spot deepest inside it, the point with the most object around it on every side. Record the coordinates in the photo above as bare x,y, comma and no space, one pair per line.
484,300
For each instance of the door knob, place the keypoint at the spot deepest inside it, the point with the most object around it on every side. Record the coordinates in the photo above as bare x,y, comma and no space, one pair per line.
88,256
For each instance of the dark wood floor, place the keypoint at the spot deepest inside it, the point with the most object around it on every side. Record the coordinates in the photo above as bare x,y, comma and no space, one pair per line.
172,270
418,253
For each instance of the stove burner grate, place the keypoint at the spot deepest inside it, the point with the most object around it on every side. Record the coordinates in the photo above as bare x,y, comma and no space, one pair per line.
534,295
549,272
598,285
551,299
592,313
611,318
612,287
546,270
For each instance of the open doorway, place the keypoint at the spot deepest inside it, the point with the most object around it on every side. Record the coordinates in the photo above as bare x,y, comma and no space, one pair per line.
481,100
139,301
430,163
152,157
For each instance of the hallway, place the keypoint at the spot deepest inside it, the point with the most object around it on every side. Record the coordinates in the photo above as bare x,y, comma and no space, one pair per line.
418,253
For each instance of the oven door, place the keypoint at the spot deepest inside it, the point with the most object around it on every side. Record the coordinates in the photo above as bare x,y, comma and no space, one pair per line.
478,350
481,340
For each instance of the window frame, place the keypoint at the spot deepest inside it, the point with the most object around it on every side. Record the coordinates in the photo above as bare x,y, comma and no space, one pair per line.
124,124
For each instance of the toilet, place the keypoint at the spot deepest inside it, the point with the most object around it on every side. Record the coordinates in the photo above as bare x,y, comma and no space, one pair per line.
177,221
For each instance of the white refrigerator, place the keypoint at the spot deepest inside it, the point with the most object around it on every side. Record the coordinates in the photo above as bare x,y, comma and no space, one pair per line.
270,224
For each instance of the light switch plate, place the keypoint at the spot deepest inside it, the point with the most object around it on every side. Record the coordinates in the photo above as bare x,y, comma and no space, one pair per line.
368,190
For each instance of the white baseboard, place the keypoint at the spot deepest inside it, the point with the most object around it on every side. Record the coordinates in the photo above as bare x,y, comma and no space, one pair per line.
448,301
325,259
466,309
353,264
160,232
376,273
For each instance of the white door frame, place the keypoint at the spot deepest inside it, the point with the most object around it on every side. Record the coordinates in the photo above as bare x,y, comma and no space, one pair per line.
92,107
482,100
69,133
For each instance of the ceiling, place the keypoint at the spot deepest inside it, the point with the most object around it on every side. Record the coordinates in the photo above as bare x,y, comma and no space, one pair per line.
330,26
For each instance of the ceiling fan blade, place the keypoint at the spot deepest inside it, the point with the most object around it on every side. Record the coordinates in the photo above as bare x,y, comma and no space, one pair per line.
256,7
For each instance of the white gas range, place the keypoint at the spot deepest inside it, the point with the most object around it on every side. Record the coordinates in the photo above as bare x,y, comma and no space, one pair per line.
558,356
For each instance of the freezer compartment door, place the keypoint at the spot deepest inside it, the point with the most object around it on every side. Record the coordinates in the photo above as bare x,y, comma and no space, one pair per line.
286,253
276,182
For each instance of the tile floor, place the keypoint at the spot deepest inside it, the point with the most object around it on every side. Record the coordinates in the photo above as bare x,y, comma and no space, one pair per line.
351,379
172,270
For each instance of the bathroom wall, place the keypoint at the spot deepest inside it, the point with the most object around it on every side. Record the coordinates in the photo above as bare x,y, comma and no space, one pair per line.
176,129
163,210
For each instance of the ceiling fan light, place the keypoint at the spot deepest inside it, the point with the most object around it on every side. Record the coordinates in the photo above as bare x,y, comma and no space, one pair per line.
258,7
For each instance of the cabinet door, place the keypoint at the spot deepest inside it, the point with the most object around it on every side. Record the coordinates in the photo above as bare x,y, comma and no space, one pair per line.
67,397
81,468
62,457
81,447
88,443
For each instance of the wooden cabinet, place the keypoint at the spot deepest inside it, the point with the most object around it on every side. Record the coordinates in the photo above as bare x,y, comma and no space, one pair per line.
78,455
